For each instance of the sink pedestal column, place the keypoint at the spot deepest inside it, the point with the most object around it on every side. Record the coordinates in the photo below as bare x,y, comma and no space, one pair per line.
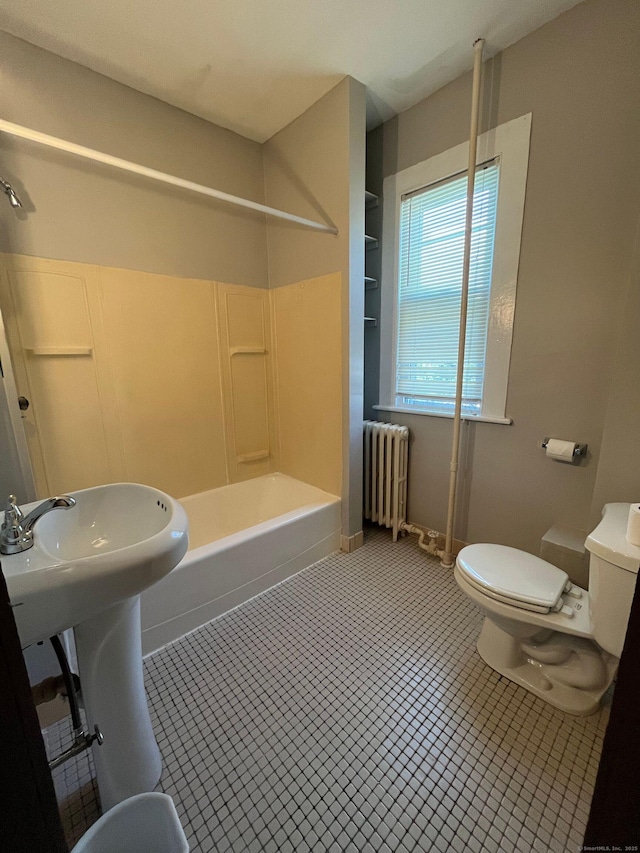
110,663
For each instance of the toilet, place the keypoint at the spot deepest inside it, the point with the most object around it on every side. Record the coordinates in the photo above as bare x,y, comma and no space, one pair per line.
557,640
144,823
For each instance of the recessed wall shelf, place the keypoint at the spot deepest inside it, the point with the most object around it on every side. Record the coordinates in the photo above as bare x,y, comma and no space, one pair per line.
370,282
370,199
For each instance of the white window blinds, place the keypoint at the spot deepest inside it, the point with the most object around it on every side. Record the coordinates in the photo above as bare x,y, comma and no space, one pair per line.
429,291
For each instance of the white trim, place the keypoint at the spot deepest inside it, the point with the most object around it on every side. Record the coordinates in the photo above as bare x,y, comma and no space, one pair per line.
509,142
348,544
483,419
155,175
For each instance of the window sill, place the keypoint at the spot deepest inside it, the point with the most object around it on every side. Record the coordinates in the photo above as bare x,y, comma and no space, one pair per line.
481,418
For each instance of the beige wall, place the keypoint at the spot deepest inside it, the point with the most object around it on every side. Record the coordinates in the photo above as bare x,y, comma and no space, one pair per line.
85,212
315,168
580,78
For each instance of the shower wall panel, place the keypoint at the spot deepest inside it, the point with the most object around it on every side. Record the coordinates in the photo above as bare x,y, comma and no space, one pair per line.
307,333
247,383
164,357
55,348
123,372
183,384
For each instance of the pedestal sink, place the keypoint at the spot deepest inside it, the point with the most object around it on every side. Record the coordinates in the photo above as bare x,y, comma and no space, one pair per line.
86,570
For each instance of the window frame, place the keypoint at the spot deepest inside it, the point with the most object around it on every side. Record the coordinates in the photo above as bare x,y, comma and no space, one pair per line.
509,143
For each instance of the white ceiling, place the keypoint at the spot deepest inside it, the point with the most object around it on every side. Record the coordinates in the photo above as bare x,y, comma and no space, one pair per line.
254,65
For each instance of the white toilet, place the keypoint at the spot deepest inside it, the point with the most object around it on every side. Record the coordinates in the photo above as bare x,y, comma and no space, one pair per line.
557,640
145,823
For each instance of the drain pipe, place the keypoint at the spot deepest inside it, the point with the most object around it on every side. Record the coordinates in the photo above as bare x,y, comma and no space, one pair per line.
81,739
447,556
432,547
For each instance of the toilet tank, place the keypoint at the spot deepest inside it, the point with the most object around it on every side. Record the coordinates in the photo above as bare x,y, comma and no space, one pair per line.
613,570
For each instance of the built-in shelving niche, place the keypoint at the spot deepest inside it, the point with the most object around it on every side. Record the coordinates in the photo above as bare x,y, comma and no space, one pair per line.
371,243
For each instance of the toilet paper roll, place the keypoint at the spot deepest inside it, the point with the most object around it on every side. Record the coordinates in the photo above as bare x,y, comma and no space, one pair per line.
560,450
633,525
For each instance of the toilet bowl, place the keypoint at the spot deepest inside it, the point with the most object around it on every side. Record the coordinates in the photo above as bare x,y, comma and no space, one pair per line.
556,639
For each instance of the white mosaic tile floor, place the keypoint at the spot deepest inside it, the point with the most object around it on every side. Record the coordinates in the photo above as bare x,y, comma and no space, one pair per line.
348,710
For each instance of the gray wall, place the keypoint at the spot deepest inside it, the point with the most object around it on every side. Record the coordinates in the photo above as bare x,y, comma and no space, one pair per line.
618,476
315,167
82,211
307,172
580,78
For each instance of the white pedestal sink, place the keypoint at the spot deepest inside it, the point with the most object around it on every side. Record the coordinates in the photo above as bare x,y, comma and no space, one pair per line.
86,570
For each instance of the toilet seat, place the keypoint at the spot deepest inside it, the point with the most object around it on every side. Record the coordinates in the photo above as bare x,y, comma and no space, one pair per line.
514,577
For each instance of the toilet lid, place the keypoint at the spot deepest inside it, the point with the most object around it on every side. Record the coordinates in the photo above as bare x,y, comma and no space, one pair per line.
512,574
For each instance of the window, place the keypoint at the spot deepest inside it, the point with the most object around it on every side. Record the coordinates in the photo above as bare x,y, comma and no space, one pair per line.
432,222
423,244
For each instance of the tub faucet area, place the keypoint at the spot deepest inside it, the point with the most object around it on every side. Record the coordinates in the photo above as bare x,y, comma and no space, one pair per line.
16,533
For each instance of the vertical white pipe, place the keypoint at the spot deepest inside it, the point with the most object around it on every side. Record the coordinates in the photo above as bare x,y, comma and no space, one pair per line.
447,556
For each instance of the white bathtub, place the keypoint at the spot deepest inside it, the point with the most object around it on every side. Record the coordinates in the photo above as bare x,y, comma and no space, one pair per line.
243,539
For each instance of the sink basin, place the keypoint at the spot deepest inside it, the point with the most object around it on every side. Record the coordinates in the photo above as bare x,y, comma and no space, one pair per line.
115,542
86,570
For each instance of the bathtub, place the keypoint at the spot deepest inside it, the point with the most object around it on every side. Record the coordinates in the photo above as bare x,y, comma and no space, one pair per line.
243,539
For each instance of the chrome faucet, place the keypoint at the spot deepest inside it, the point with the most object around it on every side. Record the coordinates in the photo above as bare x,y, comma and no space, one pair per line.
16,533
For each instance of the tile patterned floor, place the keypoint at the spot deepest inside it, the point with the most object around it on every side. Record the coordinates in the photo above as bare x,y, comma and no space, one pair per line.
74,782
347,710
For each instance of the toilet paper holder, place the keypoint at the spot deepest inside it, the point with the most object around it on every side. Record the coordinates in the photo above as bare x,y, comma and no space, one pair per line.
579,451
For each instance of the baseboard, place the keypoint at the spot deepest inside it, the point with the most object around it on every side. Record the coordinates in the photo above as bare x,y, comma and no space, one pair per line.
352,543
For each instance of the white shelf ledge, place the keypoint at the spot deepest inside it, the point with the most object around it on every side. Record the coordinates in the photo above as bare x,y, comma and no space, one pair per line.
247,351
407,411
65,351
253,457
